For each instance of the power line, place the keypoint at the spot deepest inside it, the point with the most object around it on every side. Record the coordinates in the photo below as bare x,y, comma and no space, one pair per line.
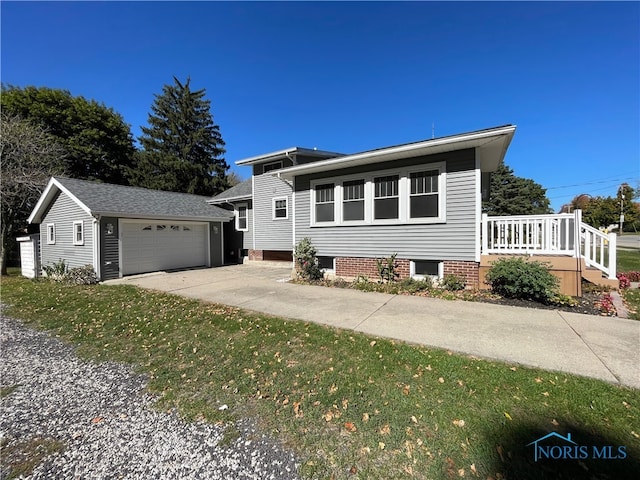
595,182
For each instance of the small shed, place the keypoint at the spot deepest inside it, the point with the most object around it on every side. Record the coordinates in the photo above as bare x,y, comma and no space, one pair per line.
29,255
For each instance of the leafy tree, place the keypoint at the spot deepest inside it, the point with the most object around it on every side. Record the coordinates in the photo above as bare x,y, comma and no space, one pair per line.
601,212
512,195
626,195
28,157
183,147
97,141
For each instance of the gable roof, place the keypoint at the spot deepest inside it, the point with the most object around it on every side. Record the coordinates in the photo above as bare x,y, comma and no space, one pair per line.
492,143
241,191
105,199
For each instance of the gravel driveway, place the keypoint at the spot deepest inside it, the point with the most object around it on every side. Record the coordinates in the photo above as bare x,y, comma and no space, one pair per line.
107,422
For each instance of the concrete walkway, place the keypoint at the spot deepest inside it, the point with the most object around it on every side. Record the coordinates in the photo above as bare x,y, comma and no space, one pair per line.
598,347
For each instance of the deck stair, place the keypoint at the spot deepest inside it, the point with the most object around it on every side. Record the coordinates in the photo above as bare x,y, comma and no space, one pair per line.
574,249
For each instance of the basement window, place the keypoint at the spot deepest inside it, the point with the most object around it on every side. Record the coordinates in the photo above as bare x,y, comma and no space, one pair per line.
421,269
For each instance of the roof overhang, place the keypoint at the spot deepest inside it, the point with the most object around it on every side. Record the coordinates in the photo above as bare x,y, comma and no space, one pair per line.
286,153
51,190
237,198
491,145
54,186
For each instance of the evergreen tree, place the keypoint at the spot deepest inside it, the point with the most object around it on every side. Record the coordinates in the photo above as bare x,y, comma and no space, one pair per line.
513,195
182,146
97,141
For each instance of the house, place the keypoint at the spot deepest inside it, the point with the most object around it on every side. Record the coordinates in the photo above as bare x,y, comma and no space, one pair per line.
123,230
420,200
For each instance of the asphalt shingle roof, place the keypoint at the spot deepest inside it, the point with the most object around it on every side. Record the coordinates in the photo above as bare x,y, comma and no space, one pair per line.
241,190
122,201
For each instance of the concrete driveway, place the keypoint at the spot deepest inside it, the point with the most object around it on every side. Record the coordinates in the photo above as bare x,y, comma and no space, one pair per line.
598,347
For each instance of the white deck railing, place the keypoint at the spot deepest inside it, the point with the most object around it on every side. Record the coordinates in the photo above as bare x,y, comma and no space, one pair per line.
550,235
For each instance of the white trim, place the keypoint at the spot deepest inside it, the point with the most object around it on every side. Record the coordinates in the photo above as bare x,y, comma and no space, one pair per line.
95,230
208,240
369,199
412,270
50,240
77,242
236,213
222,227
293,217
48,195
478,209
253,217
273,208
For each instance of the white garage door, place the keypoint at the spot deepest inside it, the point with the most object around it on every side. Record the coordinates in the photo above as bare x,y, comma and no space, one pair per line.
153,246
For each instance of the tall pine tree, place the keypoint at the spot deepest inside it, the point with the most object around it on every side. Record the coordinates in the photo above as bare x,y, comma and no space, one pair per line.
513,195
182,146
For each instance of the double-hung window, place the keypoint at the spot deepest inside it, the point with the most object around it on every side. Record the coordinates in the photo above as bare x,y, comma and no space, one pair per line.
386,198
353,200
78,232
423,194
241,217
51,233
280,208
325,202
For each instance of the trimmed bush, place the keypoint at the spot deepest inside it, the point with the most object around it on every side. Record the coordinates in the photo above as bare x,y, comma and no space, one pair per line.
82,276
517,278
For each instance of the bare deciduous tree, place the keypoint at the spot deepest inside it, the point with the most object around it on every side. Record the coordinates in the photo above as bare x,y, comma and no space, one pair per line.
28,158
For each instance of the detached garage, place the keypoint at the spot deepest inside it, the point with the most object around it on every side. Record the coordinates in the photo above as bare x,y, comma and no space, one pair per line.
127,230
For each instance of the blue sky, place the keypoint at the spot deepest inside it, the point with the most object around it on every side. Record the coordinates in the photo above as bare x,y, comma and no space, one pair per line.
348,77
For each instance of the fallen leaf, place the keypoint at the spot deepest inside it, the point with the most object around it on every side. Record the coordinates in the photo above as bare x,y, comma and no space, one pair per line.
473,469
458,423
365,450
333,388
554,422
353,470
414,419
500,451
350,426
461,472
96,419
385,430
406,389
441,380
297,410
365,417
513,369
381,445
508,416
373,342
635,434
546,394
538,380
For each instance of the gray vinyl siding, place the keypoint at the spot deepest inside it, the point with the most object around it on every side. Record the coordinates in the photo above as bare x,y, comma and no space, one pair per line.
271,234
453,240
109,248
63,213
247,237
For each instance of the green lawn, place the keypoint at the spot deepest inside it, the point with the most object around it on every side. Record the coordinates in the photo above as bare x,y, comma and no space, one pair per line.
628,260
352,406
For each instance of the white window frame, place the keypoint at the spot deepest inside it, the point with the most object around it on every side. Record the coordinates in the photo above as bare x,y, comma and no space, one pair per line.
237,215
404,194
333,266
413,274
364,199
77,223
336,213
51,233
286,207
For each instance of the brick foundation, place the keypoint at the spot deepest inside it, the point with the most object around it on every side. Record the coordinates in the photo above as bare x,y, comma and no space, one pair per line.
353,266
469,271
256,254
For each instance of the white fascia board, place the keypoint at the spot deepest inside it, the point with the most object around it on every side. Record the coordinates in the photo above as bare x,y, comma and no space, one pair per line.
230,199
48,195
164,217
284,153
426,147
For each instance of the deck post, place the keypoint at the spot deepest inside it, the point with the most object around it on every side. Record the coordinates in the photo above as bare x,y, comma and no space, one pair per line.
613,258
577,223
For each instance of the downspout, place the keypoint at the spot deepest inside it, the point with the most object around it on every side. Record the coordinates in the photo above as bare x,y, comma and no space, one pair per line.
95,227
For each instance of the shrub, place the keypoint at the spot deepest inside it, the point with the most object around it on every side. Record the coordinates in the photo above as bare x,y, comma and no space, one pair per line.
82,276
517,278
411,285
56,271
306,262
453,283
387,269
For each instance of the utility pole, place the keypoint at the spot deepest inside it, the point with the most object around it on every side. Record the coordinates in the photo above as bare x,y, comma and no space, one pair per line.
621,193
